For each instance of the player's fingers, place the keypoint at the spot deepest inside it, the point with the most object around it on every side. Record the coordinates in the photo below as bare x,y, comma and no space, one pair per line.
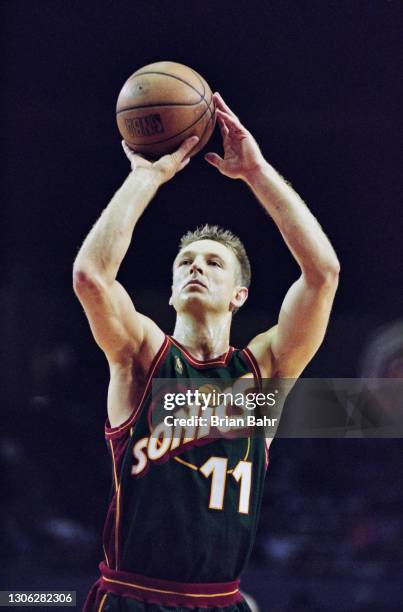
184,163
135,158
129,153
218,99
186,146
226,117
230,121
214,159
223,128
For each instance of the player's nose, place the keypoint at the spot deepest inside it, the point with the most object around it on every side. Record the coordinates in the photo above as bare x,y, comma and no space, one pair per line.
197,266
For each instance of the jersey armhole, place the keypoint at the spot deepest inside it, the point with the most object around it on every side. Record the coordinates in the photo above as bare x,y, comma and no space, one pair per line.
119,430
251,359
258,377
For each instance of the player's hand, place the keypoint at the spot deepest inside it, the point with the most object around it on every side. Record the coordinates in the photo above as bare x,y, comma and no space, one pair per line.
242,155
167,166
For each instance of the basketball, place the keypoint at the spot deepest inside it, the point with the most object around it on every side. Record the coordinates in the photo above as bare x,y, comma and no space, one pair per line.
160,105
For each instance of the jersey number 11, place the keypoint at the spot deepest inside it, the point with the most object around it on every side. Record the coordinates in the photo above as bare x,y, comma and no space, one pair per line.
216,467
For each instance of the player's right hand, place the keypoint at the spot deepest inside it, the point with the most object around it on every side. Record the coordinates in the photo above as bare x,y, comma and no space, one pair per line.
167,166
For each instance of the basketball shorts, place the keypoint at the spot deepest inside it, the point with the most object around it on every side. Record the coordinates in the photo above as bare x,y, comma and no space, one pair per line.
115,603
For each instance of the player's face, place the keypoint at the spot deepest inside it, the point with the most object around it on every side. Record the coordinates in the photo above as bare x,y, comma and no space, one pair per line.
206,275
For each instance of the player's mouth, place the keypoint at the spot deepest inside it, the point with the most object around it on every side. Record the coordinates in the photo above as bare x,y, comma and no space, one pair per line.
194,281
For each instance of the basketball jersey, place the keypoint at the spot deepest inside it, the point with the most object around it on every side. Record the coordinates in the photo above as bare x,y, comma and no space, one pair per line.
188,516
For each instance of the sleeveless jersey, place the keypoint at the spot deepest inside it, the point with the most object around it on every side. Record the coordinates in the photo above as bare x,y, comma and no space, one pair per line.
189,516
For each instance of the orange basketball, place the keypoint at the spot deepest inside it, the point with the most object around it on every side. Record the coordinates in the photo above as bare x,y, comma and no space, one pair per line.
162,104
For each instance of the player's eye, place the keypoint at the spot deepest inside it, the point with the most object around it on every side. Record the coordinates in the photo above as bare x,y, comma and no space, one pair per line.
215,263
184,262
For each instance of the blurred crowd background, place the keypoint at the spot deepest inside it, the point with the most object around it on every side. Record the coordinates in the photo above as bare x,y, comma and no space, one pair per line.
317,84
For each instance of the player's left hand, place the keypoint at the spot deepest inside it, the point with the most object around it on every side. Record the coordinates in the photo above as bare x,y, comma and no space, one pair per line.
167,166
242,156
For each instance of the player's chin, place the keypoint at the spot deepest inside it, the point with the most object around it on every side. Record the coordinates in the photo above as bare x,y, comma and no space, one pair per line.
195,302
194,298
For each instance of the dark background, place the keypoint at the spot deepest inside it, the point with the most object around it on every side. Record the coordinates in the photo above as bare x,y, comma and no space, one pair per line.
317,83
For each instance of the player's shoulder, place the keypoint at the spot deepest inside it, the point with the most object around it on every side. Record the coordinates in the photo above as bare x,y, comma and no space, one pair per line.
153,334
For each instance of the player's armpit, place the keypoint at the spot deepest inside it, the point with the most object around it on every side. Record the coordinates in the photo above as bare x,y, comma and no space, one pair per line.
260,346
119,330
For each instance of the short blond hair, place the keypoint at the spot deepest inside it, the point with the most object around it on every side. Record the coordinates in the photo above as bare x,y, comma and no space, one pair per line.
228,239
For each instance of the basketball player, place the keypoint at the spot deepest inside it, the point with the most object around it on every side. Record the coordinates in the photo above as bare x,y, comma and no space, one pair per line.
180,526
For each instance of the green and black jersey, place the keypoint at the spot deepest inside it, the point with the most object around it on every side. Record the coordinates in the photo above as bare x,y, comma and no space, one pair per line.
187,514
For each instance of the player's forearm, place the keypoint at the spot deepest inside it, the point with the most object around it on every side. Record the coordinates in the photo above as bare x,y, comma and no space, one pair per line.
106,245
301,231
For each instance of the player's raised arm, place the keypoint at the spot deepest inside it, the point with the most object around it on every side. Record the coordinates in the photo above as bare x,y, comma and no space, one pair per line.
286,349
117,327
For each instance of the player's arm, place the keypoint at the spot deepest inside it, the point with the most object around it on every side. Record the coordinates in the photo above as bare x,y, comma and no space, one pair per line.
285,349
305,311
117,327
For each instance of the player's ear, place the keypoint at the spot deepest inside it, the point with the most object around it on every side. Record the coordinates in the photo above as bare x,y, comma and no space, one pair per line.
170,299
239,297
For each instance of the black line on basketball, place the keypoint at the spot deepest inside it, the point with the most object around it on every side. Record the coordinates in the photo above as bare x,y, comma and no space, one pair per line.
172,77
208,103
202,84
204,91
206,126
129,108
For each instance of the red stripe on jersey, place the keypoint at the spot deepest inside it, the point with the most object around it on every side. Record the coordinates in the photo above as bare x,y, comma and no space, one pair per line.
258,377
222,360
254,365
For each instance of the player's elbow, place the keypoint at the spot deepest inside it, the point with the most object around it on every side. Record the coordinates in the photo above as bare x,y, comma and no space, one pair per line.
331,272
84,279
326,274
334,267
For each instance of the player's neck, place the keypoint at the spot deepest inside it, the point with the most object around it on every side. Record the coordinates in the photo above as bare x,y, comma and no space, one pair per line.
203,340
